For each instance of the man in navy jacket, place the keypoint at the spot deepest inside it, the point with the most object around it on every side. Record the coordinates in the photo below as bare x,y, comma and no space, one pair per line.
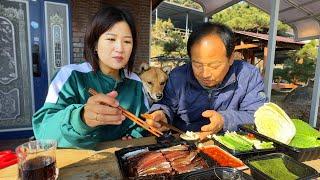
212,92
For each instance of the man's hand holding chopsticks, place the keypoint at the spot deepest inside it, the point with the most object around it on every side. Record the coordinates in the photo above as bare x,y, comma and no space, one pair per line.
101,109
154,119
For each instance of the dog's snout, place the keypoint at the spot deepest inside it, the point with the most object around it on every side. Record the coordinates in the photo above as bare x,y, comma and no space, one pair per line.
159,96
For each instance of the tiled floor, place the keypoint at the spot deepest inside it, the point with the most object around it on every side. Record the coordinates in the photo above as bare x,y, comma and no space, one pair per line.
11,144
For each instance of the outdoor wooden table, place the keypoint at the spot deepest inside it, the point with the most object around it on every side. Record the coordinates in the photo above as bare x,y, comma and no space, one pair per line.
89,164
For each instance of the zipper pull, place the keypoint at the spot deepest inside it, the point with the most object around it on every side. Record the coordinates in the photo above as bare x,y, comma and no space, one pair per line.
115,85
210,94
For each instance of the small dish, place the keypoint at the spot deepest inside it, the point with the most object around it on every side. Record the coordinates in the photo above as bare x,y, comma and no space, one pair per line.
190,136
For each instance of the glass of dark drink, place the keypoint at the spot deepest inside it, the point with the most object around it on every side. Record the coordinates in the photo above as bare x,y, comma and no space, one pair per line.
37,160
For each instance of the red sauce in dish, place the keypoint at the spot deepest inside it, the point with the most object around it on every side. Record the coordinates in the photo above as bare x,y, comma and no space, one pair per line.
221,157
251,136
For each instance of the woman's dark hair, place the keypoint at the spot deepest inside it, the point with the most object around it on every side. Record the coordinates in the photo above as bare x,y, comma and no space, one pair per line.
102,21
223,31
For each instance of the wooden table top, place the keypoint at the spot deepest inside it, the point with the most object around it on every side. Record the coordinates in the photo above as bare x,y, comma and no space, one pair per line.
89,164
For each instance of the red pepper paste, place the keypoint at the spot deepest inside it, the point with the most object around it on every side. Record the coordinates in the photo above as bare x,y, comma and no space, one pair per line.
221,157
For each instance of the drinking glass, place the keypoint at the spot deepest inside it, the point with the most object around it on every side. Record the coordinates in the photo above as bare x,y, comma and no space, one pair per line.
37,160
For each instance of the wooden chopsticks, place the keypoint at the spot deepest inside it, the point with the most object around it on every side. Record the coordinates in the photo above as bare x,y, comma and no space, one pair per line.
134,118
149,116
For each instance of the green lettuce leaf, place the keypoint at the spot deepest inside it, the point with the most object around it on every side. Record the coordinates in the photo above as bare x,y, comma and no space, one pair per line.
306,136
233,141
305,129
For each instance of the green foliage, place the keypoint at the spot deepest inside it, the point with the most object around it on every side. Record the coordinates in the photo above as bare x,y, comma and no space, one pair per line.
176,46
187,3
301,66
156,50
280,74
166,40
295,71
160,30
309,50
242,16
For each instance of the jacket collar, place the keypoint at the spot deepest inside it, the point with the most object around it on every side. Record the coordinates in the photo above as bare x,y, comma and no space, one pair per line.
229,79
110,78
110,81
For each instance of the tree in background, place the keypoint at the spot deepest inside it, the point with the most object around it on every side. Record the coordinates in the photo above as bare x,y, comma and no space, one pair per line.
245,17
309,50
159,36
301,67
166,40
186,3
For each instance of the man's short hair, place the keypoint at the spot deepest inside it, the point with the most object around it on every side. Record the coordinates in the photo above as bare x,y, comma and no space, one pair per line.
223,31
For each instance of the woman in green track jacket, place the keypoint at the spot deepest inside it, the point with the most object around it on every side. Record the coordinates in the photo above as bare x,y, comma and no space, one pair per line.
76,119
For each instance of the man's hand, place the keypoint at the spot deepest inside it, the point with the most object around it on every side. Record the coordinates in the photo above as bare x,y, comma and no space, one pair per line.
203,135
216,121
156,117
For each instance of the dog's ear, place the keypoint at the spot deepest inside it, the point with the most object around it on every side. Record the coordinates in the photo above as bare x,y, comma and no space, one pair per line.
166,69
143,67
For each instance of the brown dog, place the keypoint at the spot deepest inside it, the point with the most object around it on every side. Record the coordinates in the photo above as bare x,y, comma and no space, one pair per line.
153,80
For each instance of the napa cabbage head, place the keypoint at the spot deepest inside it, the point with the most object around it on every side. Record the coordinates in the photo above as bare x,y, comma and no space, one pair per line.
273,122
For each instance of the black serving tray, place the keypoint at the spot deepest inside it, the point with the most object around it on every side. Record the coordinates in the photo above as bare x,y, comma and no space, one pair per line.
153,147
243,155
218,173
167,138
300,154
297,168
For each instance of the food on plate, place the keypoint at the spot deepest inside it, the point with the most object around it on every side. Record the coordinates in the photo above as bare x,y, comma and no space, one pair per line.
222,157
306,136
190,136
242,143
173,160
273,122
275,168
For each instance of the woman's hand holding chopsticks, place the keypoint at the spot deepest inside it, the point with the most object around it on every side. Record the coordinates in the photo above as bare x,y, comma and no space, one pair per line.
101,109
129,115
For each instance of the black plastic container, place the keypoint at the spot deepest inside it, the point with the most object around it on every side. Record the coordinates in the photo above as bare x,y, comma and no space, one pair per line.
218,173
295,167
300,154
125,172
243,155
167,138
